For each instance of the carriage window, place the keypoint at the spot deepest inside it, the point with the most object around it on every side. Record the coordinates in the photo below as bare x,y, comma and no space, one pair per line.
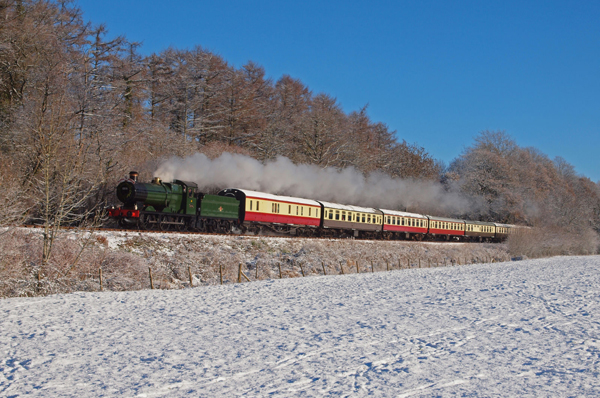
309,210
363,218
337,214
369,219
296,210
331,214
289,209
250,205
343,216
257,203
317,213
278,208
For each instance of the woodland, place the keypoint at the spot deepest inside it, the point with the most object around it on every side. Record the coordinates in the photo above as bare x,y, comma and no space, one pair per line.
79,110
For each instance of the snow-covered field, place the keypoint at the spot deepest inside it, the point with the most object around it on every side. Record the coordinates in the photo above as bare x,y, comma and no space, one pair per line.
529,328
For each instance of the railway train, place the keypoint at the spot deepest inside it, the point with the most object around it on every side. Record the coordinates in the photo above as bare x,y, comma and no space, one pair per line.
179,205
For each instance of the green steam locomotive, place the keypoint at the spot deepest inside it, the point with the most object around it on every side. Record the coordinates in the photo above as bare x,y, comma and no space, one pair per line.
173,206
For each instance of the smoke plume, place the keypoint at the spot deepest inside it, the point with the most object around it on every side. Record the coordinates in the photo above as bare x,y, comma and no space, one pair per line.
282,177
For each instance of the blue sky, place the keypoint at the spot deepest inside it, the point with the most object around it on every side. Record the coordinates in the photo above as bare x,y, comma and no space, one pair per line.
437,72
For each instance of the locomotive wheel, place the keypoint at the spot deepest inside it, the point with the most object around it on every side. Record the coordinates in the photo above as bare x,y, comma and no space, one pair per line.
162,225
142,222
183,226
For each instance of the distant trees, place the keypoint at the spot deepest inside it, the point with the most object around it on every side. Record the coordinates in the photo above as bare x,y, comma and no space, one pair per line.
521,185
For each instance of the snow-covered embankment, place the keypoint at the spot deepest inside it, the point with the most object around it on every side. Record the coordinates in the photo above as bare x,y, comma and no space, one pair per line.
530,328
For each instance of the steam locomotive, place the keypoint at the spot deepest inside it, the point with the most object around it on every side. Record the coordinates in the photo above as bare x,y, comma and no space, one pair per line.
179,205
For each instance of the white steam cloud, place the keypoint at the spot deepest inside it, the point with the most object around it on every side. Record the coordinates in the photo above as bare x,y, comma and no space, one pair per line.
282,177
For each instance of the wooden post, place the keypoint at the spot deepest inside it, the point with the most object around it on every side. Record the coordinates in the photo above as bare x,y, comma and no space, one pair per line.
399,264
151,281
240,273
256,276
101,287
221,273
301,268
419,263
408,263
387,265
445,262
357,270
279,265
342,267
428,263
323,265
245,277
190,275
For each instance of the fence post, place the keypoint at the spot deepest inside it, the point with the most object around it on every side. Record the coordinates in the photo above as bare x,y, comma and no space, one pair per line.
240,273
190,275
279,265
245,277
408,263
101,287
323,265
221,272
301,268
387,265
399,264
257,270
151,281
428,263
342,267
419,263
357,270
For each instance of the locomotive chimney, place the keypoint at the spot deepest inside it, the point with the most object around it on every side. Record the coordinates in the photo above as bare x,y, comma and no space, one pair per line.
133,175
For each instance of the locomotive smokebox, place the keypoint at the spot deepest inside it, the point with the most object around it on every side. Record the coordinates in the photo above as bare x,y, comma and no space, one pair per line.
133,175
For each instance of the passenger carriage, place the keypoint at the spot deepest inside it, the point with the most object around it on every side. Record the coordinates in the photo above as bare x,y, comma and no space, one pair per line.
446,227
281,214
502,231
480,231
399,224
356,221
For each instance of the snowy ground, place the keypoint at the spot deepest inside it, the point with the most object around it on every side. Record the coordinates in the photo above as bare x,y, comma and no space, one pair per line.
529,328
